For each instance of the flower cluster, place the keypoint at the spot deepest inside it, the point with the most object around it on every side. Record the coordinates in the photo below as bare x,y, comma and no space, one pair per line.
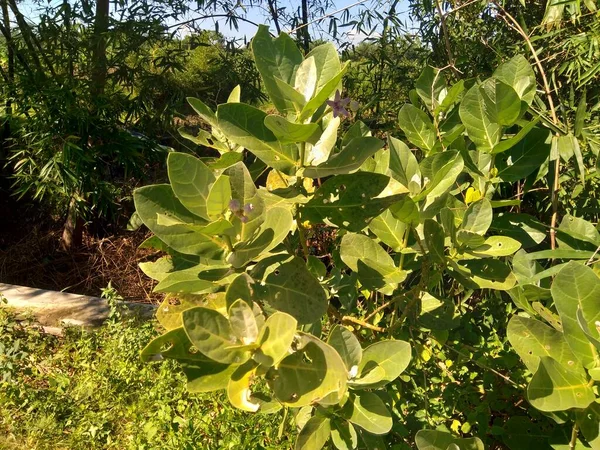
240,211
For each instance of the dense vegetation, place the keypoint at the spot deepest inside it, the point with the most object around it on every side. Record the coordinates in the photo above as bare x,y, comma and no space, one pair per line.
387,245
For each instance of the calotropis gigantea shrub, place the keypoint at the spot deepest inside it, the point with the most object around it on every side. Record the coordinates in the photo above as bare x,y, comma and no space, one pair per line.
251,309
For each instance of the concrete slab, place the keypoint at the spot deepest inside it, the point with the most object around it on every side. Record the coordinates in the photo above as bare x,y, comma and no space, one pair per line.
52,309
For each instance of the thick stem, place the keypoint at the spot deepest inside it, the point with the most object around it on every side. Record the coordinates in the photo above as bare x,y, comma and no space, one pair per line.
302,236
72,236
227,240
574,433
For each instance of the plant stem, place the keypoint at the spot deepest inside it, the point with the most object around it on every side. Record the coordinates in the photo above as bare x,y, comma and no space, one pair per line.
227,240
302,153
574,434
355,321
302,236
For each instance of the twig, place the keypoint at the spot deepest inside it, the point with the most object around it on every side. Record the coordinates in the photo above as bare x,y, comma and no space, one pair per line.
382,307
349,319
446,38
593,256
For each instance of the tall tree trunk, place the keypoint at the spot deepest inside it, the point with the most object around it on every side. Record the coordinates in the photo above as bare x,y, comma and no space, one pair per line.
10,78
304,30
72,236
100,62
274,14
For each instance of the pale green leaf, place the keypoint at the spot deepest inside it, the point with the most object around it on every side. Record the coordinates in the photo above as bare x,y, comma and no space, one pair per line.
279,58
275,339
367,410
314,434
577,286
347,346
311,373
190,180
211,333
349,159
417,127
556,388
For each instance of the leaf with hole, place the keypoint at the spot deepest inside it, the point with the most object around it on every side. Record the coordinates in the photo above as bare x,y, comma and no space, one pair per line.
533,339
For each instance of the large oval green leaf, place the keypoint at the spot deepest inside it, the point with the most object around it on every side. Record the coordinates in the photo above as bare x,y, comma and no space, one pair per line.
292,289
577,286
557,388
314,371
275,339
245,125
349,159
367,410
150,201
347,346
349,201
417,127
391,356
314,434
211,333
191,181
533,339
442,440
276,58
485,109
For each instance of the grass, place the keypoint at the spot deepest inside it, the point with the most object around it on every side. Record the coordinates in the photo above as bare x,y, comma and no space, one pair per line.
89,390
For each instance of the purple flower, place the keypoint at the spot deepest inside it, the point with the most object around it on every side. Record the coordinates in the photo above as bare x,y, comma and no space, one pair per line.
248,208
339,104
234,205
243,219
